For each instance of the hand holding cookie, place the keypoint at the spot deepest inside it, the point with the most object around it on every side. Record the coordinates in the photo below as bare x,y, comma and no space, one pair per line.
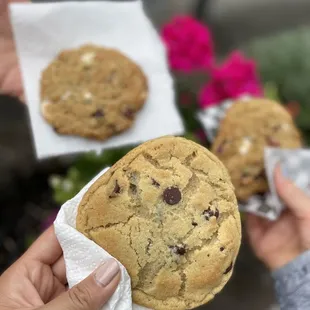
10,77
278,243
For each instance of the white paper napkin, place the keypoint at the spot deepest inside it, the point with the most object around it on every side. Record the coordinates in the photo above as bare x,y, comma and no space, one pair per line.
42,30
83,256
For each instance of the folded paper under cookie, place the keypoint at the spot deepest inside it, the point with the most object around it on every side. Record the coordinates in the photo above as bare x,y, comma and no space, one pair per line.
293,161
83,256
42,30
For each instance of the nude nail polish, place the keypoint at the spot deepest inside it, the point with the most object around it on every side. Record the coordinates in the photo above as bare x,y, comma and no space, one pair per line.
107,272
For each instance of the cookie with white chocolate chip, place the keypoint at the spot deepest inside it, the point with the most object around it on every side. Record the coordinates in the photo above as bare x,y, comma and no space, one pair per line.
248,127
167,211
92,92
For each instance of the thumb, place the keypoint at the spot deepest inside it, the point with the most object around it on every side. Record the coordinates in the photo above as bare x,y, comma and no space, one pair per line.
92,293
294,198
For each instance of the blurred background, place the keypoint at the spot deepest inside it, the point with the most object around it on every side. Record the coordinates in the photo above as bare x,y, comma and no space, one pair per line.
273,33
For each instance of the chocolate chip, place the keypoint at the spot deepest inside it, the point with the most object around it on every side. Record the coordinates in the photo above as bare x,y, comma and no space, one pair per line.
272,142
260,175
217,213
133,188
129,113
155,183
222,249
180,250
209,213
116,190
172,195
229,268
194,224
98,113
149,244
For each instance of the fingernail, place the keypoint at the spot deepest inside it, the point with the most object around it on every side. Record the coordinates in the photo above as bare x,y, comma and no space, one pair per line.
107,272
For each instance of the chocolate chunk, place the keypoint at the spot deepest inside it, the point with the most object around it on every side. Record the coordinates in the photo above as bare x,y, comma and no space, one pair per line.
172,195
209,213
155,183
98,113
194,224
180,250
116,190
222,249
229,268
272,142
129,113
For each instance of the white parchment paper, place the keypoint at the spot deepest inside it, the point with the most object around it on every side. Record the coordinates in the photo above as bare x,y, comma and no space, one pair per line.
42,30
83,256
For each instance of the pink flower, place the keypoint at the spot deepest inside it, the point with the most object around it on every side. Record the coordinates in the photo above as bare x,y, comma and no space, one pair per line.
189,44
237,76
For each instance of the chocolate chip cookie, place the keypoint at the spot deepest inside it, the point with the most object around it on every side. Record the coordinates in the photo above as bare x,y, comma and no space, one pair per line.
167,211
249,127
92,92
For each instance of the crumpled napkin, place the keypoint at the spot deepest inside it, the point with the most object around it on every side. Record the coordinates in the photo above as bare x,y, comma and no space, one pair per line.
42,30
296,164
82,256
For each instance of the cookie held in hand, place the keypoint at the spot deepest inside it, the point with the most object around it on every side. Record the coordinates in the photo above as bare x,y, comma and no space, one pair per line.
167,211
92,92
248,127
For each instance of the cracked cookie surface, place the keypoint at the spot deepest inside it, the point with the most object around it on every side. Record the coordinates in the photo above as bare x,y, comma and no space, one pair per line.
92,92
249,127
167,211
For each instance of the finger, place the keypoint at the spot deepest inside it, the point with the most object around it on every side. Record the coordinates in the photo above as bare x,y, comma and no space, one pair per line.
255,227
295,199
46,248
59,270
93,292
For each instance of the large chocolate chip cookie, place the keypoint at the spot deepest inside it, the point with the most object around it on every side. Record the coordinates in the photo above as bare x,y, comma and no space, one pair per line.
249,127
167,211
92,92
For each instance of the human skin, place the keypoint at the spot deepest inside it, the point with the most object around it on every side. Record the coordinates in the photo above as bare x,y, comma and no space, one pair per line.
280,242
